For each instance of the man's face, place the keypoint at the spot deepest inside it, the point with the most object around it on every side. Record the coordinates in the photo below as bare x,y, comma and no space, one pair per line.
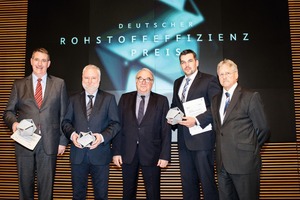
144,82
227,76
40,63
188,64
90,80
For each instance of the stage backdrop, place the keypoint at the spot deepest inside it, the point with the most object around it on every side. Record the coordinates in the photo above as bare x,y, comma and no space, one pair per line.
121,37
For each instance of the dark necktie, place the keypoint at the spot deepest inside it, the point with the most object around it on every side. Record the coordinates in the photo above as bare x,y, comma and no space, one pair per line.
185,89
89,106
227,101
141,109
38,93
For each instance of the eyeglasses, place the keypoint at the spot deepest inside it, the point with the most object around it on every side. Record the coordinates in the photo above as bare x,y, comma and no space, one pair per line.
147,80
226,74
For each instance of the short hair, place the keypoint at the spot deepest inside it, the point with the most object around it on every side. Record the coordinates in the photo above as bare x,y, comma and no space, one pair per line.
229,63
187,51
145,69
90,66
41,50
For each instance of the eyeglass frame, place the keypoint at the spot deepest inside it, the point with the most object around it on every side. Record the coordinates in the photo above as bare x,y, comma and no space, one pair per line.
226,74
147,80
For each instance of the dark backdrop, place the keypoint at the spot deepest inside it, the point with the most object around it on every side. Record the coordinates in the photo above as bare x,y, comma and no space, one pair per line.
254,34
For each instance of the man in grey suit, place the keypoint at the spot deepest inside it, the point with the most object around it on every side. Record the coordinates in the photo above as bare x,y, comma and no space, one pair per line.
145,137
241,130
47,114
96,111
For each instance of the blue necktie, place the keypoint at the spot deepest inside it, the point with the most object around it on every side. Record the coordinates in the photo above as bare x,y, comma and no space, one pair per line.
227,101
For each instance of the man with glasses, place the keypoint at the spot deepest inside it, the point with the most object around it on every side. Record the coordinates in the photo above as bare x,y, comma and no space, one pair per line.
241,129
145,137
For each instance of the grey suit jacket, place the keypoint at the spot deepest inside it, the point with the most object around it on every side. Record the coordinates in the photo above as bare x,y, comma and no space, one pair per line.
243,132
104,119
22,105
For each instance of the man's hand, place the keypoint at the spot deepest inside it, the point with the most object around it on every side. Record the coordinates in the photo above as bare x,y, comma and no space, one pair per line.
97,141
188,122
162,163
14,126
117,160
61,150
74,138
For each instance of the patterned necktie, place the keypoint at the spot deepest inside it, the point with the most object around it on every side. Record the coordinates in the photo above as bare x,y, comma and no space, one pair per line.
187,80
89,106
227,101
141,109
38,93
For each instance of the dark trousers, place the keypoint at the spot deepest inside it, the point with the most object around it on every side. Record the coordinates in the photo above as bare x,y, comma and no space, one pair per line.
151,176
239,186
99,174
197,167
38,163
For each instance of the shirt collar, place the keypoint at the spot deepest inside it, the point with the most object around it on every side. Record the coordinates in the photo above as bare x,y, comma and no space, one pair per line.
192,77
35,78
94,94
231,90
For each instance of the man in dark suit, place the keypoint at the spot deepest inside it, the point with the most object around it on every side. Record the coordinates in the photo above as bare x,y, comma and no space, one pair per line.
196,152
47,114
145,137
96,111
241,129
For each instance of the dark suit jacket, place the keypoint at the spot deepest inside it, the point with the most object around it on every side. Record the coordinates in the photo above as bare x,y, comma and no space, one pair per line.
204,85
22,105
153,134
244,131
103,119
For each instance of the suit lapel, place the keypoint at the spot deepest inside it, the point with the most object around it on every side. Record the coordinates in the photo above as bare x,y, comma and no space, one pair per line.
132,106
217,112
150,106
233,102
194,86
49,85
83,103
177,87
29,86
98,102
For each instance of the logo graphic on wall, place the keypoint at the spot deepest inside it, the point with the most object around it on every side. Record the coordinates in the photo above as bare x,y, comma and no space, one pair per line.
153,42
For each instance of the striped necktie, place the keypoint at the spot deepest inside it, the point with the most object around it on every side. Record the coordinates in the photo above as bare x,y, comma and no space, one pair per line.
89,106
38,93
183,96
227,101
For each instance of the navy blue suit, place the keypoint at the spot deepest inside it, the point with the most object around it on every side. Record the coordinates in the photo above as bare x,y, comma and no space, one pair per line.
104,120
196,152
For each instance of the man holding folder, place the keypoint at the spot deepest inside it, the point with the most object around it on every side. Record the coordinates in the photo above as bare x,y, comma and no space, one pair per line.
196,152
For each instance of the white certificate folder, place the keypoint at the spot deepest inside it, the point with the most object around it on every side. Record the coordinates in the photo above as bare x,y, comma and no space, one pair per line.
25,135
194,108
